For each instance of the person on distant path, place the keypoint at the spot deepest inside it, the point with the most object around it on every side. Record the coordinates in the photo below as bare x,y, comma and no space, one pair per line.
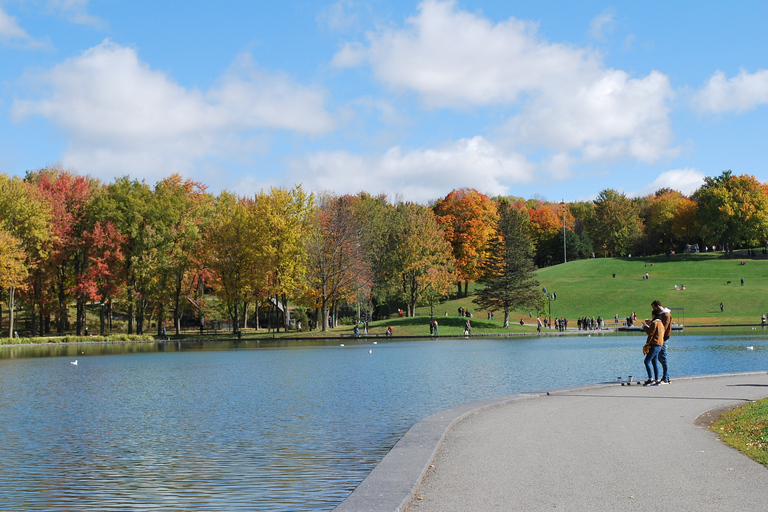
655,330
762,320
435,328
665,315
721,307
468,328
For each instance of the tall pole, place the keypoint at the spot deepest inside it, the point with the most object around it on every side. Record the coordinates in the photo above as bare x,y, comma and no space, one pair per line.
565,255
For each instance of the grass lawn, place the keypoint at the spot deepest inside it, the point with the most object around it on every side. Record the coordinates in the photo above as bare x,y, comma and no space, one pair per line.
744,428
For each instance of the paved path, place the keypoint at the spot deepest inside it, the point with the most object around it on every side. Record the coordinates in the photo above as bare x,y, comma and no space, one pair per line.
604,448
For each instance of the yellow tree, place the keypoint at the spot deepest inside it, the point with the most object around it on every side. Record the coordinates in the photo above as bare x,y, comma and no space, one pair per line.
684,225
25,220
659,225
13,271
420,256
232,243
283,216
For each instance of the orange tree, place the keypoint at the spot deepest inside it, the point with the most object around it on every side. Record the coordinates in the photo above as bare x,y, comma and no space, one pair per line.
467,218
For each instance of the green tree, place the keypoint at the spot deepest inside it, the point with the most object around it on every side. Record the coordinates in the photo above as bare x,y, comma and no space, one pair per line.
616,226
733,210
509,276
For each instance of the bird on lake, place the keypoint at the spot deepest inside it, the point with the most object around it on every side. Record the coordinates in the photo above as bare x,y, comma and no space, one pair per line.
74,362
750,347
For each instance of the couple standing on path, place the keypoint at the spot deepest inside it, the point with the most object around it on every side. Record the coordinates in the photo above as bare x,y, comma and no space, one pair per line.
658,329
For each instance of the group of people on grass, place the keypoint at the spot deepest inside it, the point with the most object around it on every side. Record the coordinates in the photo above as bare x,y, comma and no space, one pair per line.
658,328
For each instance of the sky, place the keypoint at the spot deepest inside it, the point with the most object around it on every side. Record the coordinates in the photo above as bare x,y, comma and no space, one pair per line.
547,100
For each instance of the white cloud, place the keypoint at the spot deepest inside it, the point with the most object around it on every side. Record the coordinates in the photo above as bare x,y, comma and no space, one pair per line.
12,34
569,100
419,175
76,11
686,181
122,116
608,118
602,23
743,92
339,15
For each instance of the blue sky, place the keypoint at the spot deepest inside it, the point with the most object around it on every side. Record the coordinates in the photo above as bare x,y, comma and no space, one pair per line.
552,100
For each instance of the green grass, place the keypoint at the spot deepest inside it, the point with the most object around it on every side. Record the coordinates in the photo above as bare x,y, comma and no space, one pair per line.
744,428
588,288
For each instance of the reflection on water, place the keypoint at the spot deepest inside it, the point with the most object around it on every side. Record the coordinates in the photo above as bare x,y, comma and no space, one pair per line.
270,426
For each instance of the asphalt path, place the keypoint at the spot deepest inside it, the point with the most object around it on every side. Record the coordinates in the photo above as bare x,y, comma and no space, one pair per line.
600,448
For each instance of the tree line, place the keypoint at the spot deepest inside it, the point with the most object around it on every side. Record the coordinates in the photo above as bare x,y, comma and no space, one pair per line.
152,254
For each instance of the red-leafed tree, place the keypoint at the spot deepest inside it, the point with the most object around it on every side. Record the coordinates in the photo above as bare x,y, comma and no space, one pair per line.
103,278
69,197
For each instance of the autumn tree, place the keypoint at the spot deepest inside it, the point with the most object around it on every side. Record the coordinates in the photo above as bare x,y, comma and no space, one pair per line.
466,217
25,222
13,272
284,216
337,263
508,277
69,197
233,242
545,226
684,225
660,221
420,255
733,210
102,279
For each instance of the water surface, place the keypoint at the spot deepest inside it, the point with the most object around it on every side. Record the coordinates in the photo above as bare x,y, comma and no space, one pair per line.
271,427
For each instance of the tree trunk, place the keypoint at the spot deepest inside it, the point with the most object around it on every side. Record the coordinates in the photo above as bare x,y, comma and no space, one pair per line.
11,308
506,318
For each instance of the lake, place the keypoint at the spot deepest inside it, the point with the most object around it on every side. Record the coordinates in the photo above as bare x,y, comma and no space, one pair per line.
273,426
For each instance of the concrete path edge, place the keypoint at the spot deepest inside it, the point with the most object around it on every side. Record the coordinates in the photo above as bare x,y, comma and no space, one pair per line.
392,483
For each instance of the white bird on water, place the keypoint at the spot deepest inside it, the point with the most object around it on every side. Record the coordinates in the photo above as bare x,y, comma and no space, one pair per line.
750,347
74,362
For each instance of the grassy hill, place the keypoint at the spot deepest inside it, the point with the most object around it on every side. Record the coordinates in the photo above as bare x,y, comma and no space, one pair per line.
588,288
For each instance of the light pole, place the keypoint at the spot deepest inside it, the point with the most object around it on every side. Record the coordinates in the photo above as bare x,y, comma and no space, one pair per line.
565,256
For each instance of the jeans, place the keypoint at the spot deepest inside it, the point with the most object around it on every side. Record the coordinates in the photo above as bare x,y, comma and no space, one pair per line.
653,356
663,361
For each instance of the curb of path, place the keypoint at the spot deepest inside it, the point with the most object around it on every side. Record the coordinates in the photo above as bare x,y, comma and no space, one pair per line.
392,483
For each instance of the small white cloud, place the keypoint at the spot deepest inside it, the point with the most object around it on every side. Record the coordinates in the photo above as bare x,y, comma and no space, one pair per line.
12,34
338,16
686,181
743,92
419,175
76,11
602,24
122,116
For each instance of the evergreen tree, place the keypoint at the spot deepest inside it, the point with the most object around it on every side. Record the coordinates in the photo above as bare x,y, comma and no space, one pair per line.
509,273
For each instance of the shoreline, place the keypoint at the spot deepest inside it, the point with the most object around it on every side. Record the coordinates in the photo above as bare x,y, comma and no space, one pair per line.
50,340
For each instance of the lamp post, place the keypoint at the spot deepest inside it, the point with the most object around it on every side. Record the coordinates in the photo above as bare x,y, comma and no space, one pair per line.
565,256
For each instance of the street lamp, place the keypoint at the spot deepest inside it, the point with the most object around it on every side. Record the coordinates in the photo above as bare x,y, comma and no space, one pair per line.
565,256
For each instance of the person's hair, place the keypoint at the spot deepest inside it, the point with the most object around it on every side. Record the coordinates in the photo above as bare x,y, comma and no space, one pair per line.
655,303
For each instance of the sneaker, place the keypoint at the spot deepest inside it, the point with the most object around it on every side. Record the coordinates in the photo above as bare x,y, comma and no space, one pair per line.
649,382
655,383
663,382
